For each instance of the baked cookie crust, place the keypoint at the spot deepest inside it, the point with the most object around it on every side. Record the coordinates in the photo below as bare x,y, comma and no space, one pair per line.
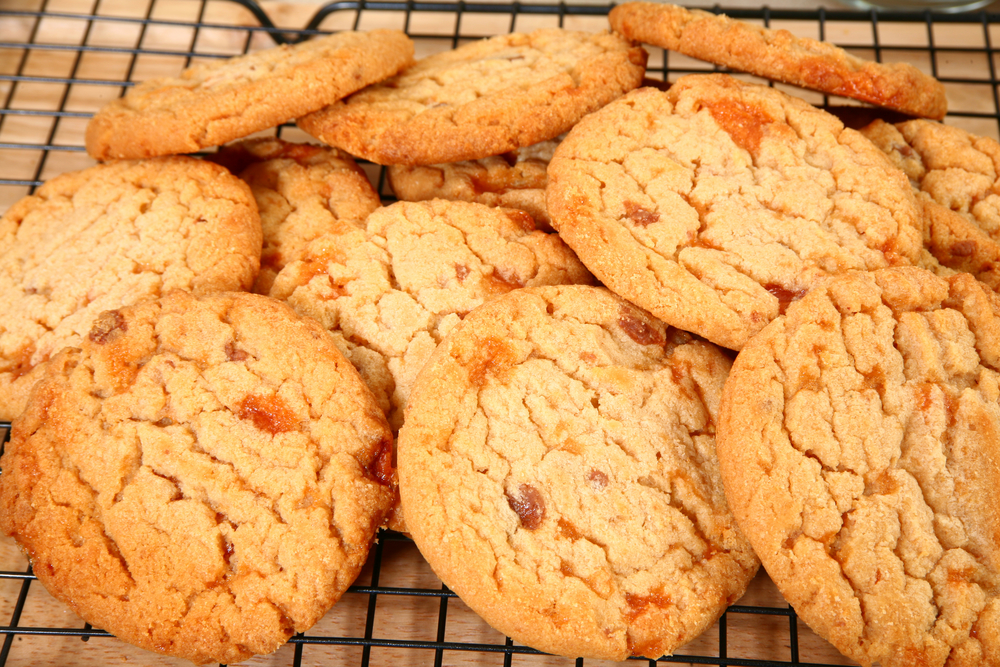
557,470
858,446
213,103
717,203
484,98
109,236
202,477
780,56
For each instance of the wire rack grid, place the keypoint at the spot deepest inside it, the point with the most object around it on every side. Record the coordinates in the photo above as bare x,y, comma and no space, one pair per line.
60,60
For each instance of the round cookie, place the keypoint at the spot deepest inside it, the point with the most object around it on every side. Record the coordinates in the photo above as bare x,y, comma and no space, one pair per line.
557,470
203,477
957,177
302,192
781,56
513,180
858,446
717,203
108,236
483,98
212,103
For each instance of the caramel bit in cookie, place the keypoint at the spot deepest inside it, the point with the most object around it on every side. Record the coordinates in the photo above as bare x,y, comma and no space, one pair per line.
638,604
597,479
494,355
528,505
639,215
268,413
461,272
745,123
784,295
568,530
965,248
233,353
506,281
108,326
637,328
521,219
381,467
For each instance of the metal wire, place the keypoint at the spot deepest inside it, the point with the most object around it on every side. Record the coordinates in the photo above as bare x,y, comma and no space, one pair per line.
15,80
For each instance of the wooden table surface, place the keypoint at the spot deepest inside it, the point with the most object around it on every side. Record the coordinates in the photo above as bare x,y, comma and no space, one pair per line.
397,617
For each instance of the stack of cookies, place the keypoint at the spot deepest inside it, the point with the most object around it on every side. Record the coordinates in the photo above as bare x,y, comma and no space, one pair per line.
220,368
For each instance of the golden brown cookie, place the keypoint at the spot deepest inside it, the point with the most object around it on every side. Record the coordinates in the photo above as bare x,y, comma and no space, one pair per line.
957,177
512,180
557,470
212,103
302,192
779,55
859,450
483,98
717,203
203,477
390,294
108,236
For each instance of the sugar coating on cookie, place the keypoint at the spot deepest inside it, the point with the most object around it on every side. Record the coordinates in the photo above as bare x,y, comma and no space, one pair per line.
717,203
202,477
108,236
557,470
781,56
391,293
858,446
215,102
483,98
957,176
302,192
515,179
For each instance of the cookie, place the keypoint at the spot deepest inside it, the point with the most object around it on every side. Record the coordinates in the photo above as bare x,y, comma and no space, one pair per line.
212,103
957,179
389,295
781,56
111,235
717,203
858,446
483,98
203,477
302,192
557,471
512,180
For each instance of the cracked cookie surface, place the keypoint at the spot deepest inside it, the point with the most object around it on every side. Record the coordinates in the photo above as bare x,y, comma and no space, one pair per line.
859,450
108,236
390,294
781,56
557,470
212,103
483,98
957,176
717,203
513,180
202,478
302,192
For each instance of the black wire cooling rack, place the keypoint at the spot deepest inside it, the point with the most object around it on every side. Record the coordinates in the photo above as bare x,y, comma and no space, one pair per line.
60,60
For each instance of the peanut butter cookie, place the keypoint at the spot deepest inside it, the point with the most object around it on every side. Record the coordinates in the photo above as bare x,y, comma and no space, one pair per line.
390,294
957,177
513,180
483,98
212,103
717,203
781,56
859,451
302,192
203,477
108,236
557,469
